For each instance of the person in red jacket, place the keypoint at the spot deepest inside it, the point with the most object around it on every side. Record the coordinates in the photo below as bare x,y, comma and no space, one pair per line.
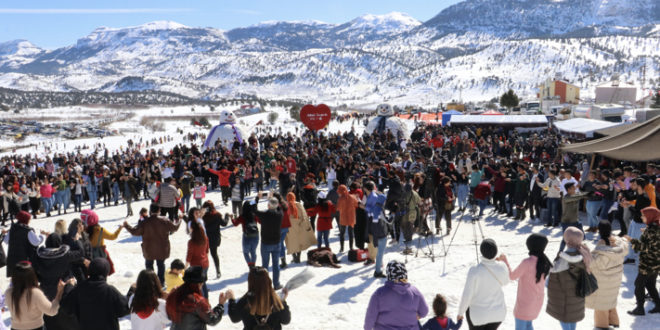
481,194
198,251
324,209
223,179
499,178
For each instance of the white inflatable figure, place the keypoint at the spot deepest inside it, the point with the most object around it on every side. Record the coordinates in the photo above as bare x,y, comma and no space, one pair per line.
385,120
227,132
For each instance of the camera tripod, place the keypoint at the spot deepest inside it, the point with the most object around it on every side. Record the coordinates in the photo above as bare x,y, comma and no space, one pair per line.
473,216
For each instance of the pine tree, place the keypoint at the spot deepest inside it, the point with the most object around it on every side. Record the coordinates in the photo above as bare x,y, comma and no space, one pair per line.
509,100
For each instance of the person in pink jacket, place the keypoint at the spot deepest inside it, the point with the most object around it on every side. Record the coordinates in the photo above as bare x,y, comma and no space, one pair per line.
531,274
199,193
46,192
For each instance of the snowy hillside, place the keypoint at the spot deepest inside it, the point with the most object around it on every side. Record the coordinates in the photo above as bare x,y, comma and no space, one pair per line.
475,49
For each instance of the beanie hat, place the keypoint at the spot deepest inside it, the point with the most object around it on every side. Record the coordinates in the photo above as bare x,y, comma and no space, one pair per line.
488,248
536,243
89,218
23,217
194,274
652,215
573,237
99,268
396,271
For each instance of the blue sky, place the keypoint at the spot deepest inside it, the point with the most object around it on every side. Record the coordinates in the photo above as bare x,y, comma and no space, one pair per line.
56,23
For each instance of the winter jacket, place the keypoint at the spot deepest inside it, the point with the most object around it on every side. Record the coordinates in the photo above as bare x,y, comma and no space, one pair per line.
570,206
20,247
212,223
529,299
155,320
482,191
648,246
271,222
395,305
53,265
94,238
483,292
223,176
301,235
240,312
324,221
199,192
46,190
374,208
607,266
551,185
309,196
346,205
79,270
32,315
198,255
563,303
434,324
96,305
411,208
155,232
195,313
167,195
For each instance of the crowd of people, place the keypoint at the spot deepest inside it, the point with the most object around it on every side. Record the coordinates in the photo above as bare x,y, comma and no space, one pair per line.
371,187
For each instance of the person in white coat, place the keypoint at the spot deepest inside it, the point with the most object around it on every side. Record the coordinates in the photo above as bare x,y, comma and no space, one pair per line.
483,299
607,266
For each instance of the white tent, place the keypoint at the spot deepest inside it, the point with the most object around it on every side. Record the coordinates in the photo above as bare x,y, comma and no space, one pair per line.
582,127
531,120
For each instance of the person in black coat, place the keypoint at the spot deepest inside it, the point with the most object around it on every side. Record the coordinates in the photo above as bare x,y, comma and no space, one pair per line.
54,262
21,241
535,195
212,222
78,240
96,304
271,222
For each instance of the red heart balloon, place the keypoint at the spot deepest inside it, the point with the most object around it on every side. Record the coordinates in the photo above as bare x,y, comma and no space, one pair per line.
315,117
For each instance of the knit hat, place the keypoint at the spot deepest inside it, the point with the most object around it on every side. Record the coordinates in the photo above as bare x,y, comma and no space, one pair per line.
194,274
89,218
536,243
573,237
396,271
652,215
99,268
488,248
273,203
23,217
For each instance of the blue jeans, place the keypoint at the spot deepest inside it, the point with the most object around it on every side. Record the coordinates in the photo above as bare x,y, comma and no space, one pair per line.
272,185
607,204
57,199
250,249
283,232
592,213
186,202
568,326
47,203
322,235
563,229
635,232
382,245
115,192
482,205
553,210
271,251
66,198
524,325
77,202
462,193
92,198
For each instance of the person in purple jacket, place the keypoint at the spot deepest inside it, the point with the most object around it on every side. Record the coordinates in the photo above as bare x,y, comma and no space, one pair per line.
397,304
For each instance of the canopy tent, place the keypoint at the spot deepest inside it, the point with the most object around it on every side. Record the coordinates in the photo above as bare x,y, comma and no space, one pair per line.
582,127
614,130
429,118
504,120
637,143
492,113
446,116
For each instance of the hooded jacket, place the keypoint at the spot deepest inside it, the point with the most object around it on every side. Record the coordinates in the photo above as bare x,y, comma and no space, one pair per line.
483,293
607,266
346,205
563,303
395,305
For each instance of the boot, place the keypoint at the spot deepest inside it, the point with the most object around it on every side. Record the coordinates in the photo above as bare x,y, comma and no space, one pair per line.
296,257
217,274
341,246
638,311
379,275
655,309
283,263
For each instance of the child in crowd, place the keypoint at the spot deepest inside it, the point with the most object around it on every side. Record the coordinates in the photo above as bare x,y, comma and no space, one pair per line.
199,193
441,321
174,275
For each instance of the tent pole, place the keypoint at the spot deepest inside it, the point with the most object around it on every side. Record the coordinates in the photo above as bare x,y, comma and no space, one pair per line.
591,165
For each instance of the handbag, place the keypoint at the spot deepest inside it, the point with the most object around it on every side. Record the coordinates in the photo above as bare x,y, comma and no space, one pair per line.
586,284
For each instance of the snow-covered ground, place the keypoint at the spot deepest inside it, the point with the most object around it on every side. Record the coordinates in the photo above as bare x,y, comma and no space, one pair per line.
334,298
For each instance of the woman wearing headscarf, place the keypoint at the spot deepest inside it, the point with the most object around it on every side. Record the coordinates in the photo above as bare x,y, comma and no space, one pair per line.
648,246
531,274
563,302
397,304
607,266
301,234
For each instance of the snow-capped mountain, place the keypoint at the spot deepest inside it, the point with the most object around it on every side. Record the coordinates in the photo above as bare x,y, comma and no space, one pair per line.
475,49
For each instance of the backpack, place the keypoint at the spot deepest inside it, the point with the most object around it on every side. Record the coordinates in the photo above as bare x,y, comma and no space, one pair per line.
251,229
